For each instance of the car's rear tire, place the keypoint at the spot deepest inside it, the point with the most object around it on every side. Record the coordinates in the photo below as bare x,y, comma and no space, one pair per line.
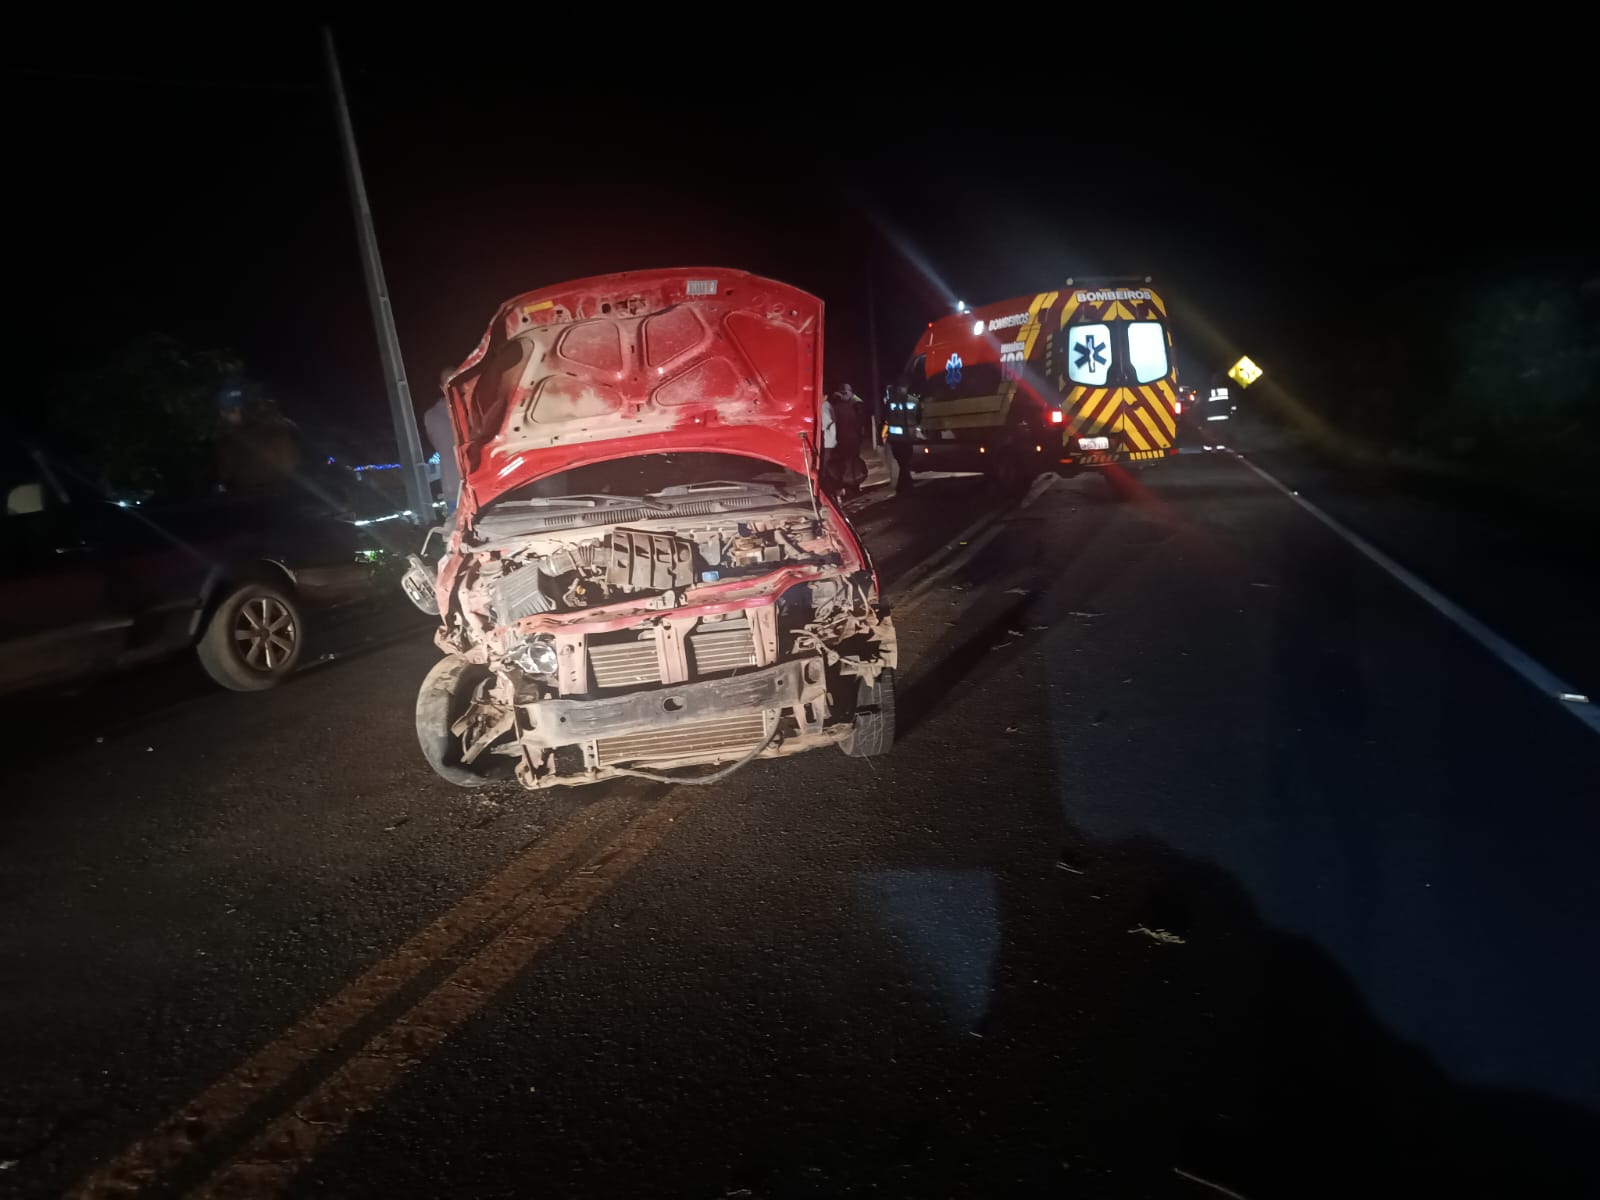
444,696
253,639
872,732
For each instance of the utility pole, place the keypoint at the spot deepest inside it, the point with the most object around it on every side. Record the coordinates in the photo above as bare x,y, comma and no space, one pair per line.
419,497
872,337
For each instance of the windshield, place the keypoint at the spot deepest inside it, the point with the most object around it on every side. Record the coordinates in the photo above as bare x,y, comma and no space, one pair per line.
646,474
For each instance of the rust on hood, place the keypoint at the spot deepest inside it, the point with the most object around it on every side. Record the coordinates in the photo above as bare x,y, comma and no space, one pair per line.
690,359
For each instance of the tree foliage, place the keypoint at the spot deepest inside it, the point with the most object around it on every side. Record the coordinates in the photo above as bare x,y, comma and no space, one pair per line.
146,417
1501,370
1527,379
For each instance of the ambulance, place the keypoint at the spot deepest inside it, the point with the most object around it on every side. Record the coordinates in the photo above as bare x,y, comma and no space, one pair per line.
1079,377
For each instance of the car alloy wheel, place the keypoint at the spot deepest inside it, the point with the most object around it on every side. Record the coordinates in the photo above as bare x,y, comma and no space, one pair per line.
264,633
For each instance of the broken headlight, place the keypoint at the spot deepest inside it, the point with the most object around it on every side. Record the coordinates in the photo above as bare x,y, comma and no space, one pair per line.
533,656
418,583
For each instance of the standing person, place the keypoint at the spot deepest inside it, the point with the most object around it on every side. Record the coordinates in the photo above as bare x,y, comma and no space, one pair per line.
851,471
847,395
865,418
830,443
441,435
900,448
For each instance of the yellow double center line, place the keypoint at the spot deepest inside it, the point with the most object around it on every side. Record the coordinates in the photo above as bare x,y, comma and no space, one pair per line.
510,920
527,917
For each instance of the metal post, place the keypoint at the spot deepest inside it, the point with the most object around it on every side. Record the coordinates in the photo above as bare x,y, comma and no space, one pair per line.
875,406
419,497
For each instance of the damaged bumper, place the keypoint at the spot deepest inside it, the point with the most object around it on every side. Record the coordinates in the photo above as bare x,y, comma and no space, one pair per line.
782,708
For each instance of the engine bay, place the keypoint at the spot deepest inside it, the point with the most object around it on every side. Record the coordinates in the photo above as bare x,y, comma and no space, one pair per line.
643,573
527,577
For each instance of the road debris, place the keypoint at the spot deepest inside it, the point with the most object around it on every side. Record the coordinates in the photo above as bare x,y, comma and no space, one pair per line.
1253,583
1087,616
1011,729
1018,591
1069,862
1164,936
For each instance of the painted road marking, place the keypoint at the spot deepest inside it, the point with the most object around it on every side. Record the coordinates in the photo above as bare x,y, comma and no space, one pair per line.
1535,673
910,579
197,1124
269,1163
918,583
196,1128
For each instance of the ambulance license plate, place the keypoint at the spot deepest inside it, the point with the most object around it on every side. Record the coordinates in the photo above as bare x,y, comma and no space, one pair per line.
1094,443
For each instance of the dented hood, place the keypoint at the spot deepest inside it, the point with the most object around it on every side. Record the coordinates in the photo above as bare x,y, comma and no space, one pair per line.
694,359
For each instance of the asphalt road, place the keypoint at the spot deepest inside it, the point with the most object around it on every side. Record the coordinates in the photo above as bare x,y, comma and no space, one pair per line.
1208,855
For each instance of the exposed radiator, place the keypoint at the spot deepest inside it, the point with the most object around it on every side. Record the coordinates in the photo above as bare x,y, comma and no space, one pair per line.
714,648
624,664
704,741
722,646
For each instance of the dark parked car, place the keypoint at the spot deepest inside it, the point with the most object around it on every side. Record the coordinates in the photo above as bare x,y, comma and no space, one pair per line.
87,584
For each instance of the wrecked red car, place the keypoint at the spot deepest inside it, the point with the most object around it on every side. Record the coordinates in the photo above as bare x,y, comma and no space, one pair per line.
644,577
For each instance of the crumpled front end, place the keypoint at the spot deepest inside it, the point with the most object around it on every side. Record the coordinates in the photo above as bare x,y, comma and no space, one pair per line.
663,645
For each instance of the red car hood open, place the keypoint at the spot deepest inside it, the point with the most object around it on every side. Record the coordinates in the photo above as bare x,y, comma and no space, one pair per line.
693,359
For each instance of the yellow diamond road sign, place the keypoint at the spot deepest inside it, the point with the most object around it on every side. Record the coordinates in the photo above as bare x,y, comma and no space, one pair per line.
1244,372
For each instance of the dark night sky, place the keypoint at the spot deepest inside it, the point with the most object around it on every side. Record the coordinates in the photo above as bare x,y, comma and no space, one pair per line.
197,190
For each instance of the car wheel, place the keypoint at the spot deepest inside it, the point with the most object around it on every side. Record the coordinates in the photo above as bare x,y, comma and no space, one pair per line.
872,732
254,638
446,692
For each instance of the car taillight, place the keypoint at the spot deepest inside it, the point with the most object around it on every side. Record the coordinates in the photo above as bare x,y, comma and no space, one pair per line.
1056,416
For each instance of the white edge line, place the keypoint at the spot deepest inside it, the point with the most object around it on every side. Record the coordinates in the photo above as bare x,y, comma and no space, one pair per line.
1541,677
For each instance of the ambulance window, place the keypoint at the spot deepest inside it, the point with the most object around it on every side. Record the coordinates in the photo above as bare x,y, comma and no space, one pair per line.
1147,351
1088,354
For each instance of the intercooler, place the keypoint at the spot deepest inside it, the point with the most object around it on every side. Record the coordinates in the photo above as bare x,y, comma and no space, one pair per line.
702,741
625,664
714,647
721,646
